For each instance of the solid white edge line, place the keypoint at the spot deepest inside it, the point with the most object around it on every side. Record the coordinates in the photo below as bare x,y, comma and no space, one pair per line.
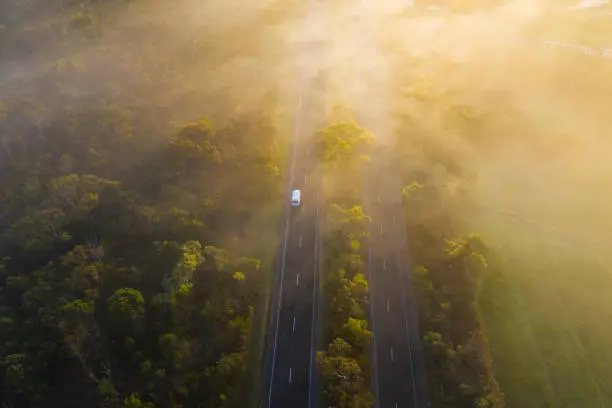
314,298
375,348
414,393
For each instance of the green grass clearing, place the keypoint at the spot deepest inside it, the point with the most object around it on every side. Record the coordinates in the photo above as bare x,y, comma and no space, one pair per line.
547,310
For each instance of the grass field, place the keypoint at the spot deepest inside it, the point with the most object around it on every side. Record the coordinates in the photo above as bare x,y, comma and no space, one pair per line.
547,308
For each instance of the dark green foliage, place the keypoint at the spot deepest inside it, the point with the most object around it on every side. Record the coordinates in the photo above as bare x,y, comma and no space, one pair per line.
115,287
458,364
106,291
113,291
344,366
342,143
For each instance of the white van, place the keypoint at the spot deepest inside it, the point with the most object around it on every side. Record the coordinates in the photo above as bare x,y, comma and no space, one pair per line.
296,198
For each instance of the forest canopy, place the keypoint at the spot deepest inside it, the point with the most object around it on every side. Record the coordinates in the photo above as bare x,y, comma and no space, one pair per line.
128,276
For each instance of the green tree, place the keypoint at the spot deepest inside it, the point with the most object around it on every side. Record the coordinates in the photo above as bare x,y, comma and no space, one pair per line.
15,367
351,221
360,289
126,304
345,383
183,273
342,143
134,401
79,194
81,334
357,334
176,349
41,229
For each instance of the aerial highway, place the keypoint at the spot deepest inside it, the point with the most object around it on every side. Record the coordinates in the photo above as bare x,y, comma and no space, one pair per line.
289,371
398,369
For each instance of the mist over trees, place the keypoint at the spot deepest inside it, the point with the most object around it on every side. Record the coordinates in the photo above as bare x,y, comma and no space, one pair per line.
116,288
505,146
344,364
142,148
127,277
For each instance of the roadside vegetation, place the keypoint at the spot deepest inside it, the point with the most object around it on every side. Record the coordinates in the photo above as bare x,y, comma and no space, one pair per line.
130,275
516,308
448,268
344,364
449,262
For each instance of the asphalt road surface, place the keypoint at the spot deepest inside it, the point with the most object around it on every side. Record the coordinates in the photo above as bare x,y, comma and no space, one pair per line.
399,372
289,359
398,377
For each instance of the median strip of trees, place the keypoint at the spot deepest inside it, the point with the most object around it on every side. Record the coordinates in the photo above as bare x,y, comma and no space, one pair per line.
344,364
